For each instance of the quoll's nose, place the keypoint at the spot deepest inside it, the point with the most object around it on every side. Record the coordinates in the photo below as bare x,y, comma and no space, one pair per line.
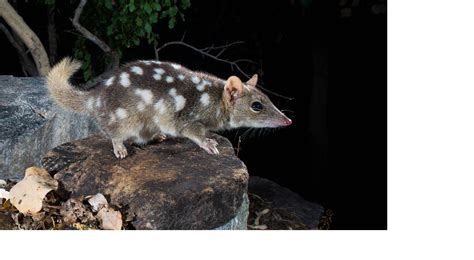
288,121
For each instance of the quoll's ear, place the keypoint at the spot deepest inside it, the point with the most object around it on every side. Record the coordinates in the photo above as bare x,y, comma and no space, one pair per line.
233,88
253,81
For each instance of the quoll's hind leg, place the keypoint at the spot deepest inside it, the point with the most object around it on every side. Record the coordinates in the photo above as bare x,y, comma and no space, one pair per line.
119,149
197,133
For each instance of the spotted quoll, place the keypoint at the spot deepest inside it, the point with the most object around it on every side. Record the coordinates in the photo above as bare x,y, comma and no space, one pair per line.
147,100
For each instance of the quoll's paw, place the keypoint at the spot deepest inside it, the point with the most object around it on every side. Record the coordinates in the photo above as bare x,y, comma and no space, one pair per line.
210,146
120,151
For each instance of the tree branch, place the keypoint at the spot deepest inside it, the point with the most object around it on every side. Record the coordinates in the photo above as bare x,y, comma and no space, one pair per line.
207,53
91,37
27,65
28,37
115,60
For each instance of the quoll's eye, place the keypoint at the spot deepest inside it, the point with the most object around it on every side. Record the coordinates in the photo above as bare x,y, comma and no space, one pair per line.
257,106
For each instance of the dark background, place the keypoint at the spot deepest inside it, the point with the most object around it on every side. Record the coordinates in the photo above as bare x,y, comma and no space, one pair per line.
290,41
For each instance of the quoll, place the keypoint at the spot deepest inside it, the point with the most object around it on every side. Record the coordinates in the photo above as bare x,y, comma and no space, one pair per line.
146,100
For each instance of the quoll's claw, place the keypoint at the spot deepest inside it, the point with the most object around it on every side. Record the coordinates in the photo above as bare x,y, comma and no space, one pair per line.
210,146
120,151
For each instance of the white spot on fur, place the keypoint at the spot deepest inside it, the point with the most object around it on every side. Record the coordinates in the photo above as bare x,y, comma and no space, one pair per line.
146,62
160,106
156,62
218,112
204,99
181,77
145,94
121,113
169,79
141,106
203,84
137,70
176,66
195,79
124,79
158,73
98,102
172,92
90,103
110,81
179,102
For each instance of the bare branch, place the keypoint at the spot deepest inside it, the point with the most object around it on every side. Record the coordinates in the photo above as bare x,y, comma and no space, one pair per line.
87,34
207,53
115,61
27,66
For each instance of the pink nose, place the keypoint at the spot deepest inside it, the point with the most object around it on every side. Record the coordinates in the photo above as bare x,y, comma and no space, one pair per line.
288,121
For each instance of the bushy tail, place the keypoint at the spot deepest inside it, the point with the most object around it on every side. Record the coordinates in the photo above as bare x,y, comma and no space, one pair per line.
61,90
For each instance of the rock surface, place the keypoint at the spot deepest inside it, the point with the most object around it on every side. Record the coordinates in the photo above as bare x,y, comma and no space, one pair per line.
169,185
31,124
308,213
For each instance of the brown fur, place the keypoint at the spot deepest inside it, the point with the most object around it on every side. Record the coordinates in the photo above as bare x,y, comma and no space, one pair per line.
134,113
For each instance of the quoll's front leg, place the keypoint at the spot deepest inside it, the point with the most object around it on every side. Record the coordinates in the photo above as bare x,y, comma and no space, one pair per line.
197,133
119,149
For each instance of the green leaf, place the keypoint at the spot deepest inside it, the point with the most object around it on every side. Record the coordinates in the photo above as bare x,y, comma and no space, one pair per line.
136,41
171,22
185,4
131,7
109,30
147,8
139,21
173,11
156,6
147,28
154,18
167,3
108,4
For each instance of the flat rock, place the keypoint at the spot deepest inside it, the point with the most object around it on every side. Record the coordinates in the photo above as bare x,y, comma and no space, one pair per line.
169,185
283,199
31,124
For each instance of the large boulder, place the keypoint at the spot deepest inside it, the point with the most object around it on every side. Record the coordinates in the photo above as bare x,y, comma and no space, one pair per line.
169,185
296,211
31,124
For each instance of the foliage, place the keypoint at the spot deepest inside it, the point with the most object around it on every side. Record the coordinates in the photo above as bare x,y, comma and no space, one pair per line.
123,24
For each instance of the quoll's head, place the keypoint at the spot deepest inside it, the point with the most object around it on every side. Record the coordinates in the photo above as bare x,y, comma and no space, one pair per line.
249,107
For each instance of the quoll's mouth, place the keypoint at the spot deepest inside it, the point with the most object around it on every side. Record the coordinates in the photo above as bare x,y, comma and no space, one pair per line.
282,122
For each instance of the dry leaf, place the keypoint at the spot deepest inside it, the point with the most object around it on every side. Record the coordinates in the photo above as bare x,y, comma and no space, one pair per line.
28,194
110,219
4,194
97,202
74,211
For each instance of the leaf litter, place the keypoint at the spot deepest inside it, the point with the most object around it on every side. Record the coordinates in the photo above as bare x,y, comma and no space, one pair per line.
35,203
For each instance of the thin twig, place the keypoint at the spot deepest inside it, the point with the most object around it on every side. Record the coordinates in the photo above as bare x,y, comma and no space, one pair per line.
206,52
90,36
115,61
